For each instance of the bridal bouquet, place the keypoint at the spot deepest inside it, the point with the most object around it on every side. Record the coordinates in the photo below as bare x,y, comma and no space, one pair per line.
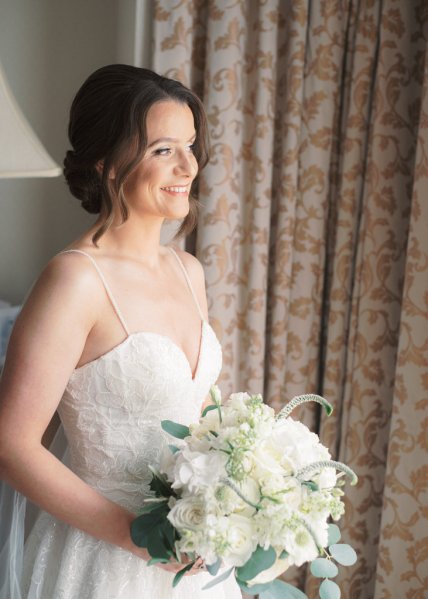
250,492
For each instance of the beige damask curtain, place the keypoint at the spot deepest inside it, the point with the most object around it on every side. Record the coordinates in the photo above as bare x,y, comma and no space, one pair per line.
314,238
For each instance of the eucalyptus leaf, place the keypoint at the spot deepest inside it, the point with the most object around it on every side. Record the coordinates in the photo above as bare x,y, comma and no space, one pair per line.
175,429
217,580
279,589
329,590
214,568
156,544
253,589
260,560
181,573
142,526
157,560
208,409
344,554
173,448
324,568
333,534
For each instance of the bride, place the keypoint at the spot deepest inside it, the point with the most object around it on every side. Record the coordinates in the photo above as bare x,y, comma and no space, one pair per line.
115,337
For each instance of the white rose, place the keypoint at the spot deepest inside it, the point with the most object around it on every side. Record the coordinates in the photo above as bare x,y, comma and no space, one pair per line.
241,540
280,566
267,460
188,513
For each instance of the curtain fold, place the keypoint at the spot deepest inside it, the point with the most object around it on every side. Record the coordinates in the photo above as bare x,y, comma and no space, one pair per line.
313,235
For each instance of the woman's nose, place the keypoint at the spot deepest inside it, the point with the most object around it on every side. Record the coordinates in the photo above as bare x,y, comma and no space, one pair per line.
186,164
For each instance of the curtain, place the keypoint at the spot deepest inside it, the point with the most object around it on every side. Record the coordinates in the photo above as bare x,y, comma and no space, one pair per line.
313,234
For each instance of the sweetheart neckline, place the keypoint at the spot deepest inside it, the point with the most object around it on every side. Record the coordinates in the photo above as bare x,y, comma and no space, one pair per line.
160,336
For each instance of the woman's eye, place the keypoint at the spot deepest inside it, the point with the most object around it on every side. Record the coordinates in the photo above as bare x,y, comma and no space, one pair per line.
191,148
162,151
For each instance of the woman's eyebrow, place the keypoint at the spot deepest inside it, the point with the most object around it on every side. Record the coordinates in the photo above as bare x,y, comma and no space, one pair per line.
169,139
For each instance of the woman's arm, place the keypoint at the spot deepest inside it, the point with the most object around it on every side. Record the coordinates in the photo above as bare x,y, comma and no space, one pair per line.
46,344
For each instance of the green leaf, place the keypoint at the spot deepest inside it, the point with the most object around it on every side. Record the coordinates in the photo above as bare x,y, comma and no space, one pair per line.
208,409
344,554
175,429
142,526
156,544
324,568
151,506
214,568
282,590
217,580
310,484
329,590
333,534
254,589
283,554
261,559
181,573
159,485
173,448
157,560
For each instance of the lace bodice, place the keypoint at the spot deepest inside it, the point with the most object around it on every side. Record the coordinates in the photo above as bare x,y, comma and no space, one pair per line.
112,409
113,406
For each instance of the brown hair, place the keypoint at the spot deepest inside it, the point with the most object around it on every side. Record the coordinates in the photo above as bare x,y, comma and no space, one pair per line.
107,130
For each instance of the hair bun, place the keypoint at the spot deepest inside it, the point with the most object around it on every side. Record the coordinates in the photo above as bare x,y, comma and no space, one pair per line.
83,182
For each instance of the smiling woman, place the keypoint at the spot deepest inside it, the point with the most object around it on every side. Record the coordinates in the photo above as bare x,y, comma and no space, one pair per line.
160,185
126,344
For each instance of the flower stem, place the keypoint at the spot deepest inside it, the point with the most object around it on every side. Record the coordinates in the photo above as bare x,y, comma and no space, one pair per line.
296,401
316,466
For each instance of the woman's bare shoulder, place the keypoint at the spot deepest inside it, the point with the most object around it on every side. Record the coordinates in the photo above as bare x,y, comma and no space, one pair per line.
67,281
192,265
197,278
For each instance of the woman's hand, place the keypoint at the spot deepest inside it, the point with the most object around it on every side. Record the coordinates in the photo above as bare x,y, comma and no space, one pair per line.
172,566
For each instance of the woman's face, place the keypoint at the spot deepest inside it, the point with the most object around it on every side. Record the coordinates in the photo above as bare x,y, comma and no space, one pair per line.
160,184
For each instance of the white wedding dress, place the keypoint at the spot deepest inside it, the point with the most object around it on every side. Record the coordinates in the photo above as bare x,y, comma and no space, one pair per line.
111,413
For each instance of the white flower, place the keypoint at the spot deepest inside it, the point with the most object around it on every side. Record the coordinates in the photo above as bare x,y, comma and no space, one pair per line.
301,546
267,460
241,540
326,479
188,513
280,566
196,470
299,445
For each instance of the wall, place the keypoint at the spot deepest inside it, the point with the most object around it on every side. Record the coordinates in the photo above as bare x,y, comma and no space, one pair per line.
47,49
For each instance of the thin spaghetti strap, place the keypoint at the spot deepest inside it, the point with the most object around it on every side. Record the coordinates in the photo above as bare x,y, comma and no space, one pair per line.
106,287
188,281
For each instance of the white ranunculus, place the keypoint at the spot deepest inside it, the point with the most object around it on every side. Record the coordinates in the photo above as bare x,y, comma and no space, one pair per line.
280,566
241,540
188,513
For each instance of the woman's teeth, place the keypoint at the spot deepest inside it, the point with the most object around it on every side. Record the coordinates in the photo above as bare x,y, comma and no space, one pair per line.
175,189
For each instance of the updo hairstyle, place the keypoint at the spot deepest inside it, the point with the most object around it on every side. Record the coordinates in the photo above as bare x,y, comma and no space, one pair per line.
107,130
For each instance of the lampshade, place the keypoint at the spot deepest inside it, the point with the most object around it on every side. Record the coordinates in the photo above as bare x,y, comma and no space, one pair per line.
21,152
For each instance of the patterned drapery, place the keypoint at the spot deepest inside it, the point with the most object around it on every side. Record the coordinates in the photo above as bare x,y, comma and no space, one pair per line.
314,237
